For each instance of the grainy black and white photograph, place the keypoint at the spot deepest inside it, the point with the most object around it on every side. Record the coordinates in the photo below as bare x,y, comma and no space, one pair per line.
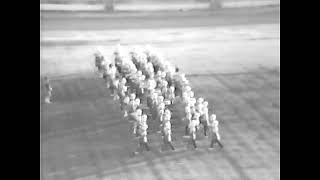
160,89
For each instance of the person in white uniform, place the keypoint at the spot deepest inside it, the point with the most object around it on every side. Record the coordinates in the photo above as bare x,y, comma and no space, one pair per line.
143,127
214,130
48,90
167,134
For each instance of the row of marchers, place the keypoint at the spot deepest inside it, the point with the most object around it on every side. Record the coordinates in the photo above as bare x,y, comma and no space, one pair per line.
147,86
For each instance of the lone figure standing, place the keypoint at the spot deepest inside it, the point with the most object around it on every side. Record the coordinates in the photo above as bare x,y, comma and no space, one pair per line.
48,90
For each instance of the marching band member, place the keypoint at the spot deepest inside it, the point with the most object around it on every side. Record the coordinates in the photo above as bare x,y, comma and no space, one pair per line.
170,94
124,106
143,140
214,129
204,117
144,74
167,134
99,60
192,131
160,108
187,118
136,120
114,87
195,117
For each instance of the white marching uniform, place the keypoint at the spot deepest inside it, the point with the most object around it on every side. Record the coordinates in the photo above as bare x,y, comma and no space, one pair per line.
143,131
143,64
112,72
167,130
136,121
160,99
188,114
149,68
185,97
205,114
167,115
199,106
122,88
192,129
164,91
161,107
151,84
196,119
132,106
170,94
154,98
115,84
48,92
214,128
126,101
192,101
158,77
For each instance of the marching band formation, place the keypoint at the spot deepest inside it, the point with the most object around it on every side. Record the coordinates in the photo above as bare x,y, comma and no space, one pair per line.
146,86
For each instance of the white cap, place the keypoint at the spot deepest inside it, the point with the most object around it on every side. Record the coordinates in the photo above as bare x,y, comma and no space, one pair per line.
132,96
161,98
191,94
139,112
162,105
213,117
126,99
200,100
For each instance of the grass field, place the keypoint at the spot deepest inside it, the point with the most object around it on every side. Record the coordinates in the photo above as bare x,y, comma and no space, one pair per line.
84,137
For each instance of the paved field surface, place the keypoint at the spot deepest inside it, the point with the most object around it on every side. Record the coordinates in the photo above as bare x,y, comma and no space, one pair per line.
84,137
